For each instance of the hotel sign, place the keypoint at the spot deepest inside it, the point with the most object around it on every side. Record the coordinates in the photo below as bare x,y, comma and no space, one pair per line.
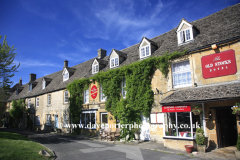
166,109
94,92
219,64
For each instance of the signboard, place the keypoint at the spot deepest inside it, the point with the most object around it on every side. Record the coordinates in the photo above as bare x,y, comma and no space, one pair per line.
94,92
166,109
219,64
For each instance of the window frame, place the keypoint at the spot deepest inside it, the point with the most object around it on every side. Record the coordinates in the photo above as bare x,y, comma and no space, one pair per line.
114,62
86,96
103,98
30,87
43,84
184,85
182,35
144,48
88,112
49,98
48,121
95,68
65,97
65,75
37,102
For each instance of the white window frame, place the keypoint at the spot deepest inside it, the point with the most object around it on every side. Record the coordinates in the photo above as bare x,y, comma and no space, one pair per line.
95,69
37,120
114,62
29,103
86,96
144,48
88,112
37,102
183,85
48,120
49,99
103,98
65,75
43,84
181,34
124,92
65,119
65,96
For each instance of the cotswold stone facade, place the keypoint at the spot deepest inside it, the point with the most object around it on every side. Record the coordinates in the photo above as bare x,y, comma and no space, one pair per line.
184,86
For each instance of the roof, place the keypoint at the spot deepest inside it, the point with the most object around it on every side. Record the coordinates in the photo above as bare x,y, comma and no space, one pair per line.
202,94
120,53
213,29
150,41
101,61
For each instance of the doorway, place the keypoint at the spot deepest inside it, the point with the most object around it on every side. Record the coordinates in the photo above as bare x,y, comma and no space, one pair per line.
226,127
56,121
104,119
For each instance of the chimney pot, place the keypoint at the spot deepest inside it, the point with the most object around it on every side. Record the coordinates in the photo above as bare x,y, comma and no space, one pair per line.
32,77
20,81
65,64
102,53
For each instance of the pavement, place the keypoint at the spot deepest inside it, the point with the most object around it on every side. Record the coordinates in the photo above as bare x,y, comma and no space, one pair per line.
90,145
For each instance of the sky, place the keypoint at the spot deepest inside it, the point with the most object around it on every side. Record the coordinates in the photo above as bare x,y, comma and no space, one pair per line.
47,32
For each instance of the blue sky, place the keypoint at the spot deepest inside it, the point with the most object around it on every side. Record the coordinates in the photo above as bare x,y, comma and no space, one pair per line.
47,32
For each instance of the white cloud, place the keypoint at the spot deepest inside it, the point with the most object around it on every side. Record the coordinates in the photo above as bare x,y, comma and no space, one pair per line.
73,57
35,63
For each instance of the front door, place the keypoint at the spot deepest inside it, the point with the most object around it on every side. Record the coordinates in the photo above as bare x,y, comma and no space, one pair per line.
226,127
145,129
56,121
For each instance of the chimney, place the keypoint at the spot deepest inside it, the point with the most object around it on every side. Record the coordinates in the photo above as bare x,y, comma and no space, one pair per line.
102,53
32,77
65,64
20,81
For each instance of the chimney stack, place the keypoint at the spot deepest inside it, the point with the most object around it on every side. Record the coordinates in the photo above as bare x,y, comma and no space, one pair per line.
32,77
102,53
20,81
65,64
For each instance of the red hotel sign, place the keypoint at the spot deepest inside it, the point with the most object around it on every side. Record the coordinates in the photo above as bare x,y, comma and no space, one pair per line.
219,64
176,109
94,92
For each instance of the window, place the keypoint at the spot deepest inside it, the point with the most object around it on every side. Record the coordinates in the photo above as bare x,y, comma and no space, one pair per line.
95,69
37,120
66,96
43,84
102,96
29,103
49,99
65,119
124,92
86,96
65,75
145,52
114,62
185,35
37,102
88,119
181,74
182,124
48,120
30,87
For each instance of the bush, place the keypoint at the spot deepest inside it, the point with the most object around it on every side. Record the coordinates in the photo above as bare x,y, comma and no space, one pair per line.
200,138
238,142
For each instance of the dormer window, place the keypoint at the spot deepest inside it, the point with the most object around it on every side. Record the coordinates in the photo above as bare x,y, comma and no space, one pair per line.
30,87
65,75
43,84
185,32
146,48
95,67
114,62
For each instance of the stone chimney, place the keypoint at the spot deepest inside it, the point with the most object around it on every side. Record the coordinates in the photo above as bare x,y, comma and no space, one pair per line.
20,81
102,53
32,77
65,64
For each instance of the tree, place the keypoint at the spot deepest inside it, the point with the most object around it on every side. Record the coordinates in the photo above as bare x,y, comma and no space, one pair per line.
7,66
18,108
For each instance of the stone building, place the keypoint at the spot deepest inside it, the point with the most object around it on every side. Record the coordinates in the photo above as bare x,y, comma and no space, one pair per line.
207,77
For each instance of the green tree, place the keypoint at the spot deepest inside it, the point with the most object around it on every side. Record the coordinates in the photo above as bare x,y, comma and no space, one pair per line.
18,108
7,66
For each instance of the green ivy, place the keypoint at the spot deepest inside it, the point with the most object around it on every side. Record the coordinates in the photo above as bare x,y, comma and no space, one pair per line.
139,97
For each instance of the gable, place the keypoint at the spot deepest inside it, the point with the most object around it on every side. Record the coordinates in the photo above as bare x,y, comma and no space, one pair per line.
95,62
184,27
114,55
65,71
144,42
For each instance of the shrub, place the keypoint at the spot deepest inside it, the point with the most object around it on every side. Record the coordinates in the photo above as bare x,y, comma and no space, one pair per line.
238,142
200,138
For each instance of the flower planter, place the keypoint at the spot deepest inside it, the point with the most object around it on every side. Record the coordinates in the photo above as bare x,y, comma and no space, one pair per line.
137,135
189,148
196,112
201,148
